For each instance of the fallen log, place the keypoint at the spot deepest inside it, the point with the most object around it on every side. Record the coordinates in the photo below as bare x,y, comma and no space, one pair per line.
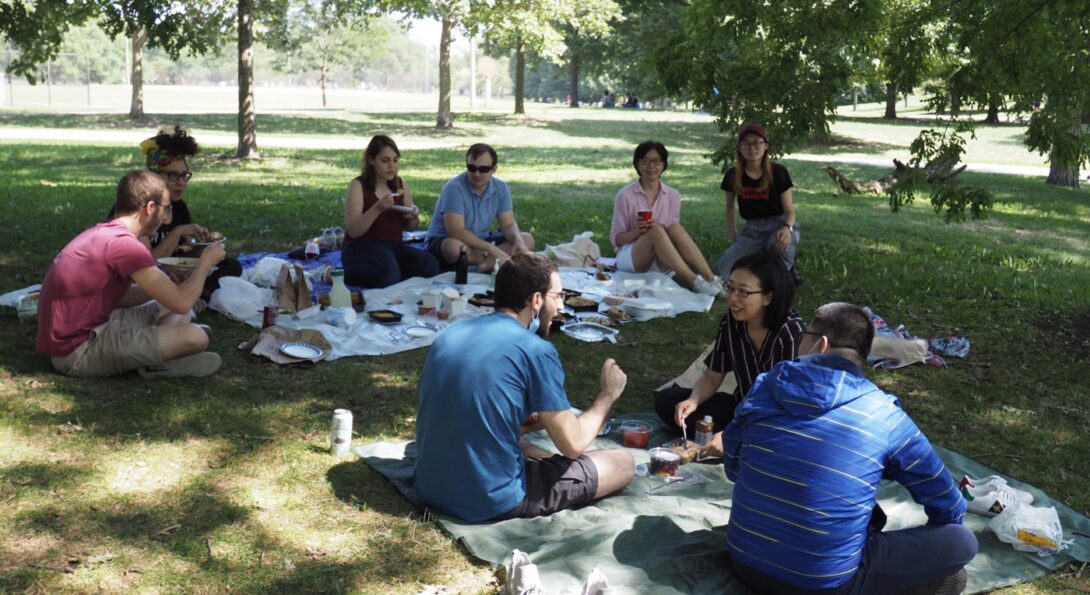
935,171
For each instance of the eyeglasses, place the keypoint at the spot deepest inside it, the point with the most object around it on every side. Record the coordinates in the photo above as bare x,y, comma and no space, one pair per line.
812,334
559,295
166,207
654,162
175,176
740,293
751,145
479,169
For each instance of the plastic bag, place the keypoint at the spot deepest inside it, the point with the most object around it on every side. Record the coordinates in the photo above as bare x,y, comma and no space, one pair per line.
908,351
240,299
266,272
1030,529
581,251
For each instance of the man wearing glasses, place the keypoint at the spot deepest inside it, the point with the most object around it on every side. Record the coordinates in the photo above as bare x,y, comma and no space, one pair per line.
94,313
806,452
464,213
489,380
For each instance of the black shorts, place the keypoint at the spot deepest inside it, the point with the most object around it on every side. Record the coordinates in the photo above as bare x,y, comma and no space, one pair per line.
435,247
554,484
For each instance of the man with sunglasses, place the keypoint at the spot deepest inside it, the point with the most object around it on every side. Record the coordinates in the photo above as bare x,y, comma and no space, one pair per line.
464,213
806,452
94,313
489,380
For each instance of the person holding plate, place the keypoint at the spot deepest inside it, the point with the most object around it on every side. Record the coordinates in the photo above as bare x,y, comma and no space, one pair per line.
378,207
647,232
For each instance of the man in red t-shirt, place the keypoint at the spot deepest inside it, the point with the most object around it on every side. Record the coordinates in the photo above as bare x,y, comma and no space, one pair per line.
93,320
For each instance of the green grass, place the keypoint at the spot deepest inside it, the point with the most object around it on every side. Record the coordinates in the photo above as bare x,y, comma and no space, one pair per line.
95,470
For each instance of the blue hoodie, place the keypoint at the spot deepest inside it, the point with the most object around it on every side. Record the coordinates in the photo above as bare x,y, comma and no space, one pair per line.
806,451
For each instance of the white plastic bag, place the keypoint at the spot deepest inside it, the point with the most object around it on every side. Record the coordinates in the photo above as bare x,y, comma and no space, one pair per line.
240,299
1030,529
581,251
266,272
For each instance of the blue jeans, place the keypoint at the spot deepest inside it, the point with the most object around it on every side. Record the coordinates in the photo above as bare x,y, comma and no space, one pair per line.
374,264
756,236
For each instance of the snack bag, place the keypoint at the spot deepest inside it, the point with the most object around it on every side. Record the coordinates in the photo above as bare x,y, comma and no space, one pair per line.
1030,529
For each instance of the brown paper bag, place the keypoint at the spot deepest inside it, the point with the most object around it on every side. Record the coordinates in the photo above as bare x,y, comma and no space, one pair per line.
292,295
267,344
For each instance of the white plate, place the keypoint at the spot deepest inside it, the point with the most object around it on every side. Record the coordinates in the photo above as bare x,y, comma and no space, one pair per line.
301,350
419,331
402,209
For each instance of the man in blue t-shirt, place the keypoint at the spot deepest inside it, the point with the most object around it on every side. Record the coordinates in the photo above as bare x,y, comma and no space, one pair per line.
806,452
464,213
483,382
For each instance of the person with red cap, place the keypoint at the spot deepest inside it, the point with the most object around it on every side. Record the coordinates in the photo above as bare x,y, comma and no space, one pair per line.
764,197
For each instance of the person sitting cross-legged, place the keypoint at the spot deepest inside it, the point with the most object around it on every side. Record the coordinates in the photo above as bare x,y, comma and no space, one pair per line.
93,320
484,382
806,452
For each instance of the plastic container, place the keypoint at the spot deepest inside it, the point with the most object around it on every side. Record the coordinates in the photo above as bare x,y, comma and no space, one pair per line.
664,462
704,430
339,296
635,434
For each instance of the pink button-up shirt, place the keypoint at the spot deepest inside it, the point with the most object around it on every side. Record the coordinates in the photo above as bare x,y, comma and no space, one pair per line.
631,199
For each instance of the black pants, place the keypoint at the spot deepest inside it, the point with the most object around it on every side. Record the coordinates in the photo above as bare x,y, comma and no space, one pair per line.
720,406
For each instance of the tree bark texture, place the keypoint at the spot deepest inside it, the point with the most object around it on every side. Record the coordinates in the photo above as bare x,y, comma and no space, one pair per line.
1060,172
574,81
247,113
891,102
444,119
325,72
136,106
993,111
520,77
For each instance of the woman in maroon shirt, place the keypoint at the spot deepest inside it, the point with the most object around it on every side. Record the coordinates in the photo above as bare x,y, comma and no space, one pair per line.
377,208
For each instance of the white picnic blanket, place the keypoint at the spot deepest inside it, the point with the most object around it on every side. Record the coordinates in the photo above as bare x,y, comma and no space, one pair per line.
363,336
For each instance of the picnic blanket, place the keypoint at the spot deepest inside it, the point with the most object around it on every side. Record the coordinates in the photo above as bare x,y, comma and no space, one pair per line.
672,540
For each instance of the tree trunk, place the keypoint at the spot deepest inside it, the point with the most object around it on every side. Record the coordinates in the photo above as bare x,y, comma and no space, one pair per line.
520,76
136,107
993,111
247,113
444,119
574,81
955,105
325,70
891,102
1062,175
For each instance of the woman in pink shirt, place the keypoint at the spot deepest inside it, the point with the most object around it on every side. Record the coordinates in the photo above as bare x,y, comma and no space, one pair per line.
647,231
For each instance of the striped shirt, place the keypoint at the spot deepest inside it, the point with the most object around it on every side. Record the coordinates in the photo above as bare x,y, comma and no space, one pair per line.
734,352
806,452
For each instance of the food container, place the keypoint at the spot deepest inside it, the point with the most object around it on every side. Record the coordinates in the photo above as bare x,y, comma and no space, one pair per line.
664,462
581,304
687,450
635,434
385,316
647,308
615,300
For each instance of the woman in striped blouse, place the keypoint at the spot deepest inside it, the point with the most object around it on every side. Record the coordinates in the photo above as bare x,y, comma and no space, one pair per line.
759,329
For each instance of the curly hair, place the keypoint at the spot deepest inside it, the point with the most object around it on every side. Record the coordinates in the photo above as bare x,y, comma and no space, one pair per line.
178,143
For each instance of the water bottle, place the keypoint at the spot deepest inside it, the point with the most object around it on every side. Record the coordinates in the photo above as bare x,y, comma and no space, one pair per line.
461,268
339,297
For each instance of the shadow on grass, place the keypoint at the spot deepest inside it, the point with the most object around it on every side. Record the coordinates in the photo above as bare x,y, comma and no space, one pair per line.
42,476
357,484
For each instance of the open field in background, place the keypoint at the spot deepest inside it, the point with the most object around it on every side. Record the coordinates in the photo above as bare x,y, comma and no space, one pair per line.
226,484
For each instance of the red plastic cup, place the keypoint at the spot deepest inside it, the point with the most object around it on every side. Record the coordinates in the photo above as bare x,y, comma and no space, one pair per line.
644,215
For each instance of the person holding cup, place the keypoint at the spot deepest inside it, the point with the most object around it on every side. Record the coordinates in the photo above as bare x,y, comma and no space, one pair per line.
647,232
377,208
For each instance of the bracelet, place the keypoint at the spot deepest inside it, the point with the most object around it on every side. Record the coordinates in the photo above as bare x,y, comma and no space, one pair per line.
787,225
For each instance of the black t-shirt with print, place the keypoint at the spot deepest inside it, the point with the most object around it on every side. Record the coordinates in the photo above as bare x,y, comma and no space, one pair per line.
755,204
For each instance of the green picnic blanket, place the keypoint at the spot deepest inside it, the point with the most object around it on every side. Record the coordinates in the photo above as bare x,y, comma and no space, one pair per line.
671,540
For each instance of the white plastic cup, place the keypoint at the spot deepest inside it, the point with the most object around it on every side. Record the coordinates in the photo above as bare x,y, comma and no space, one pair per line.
340,433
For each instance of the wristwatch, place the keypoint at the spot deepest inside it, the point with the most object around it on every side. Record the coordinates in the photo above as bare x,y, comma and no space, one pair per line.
787,225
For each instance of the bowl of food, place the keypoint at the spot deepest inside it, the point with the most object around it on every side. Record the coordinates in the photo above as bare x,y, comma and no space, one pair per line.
197,243
180,268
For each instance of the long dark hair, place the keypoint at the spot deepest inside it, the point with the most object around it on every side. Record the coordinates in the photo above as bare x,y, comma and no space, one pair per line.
768,267
377,144
740,166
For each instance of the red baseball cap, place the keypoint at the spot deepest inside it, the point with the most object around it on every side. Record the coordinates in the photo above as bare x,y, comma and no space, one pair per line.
752,129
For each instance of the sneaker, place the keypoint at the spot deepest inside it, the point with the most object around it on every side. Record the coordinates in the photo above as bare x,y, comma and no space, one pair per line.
597,584
197,365
522,577
988,484
702,285
991,503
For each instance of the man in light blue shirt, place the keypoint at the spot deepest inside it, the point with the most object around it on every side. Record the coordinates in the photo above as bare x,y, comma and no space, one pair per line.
467,206
484,382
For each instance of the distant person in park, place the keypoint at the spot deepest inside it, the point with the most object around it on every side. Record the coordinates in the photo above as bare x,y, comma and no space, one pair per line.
656,241
605,98
489,380
763,190
93,320
759,330
167,154
464,213
378,207
806,452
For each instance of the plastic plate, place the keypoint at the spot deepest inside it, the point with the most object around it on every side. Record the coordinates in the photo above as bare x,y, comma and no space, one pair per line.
301,350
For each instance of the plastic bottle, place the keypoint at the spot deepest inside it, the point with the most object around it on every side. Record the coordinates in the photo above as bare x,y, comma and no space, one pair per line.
492,279
704,430
461,268
339,297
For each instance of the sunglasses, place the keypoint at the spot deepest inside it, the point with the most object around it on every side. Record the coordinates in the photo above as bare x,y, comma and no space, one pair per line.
479,169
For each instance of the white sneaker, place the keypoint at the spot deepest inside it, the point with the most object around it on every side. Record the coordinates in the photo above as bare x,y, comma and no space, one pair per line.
993,502
712,288
597,584
522,577
984,485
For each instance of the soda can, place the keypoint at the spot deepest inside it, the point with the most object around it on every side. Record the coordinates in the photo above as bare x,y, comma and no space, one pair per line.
269,318
340,433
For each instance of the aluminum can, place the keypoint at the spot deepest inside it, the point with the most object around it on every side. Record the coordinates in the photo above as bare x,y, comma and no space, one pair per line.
269,318
340,432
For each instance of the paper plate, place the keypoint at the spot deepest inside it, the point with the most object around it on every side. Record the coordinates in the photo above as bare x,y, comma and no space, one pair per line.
419,331
301,350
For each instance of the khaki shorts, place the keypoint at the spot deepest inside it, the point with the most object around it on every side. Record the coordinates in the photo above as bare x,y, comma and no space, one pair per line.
127,341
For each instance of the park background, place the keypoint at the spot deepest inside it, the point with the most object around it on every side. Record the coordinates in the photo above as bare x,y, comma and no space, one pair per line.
120,485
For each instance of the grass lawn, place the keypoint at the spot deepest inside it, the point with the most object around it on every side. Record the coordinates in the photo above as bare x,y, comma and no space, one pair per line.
225,484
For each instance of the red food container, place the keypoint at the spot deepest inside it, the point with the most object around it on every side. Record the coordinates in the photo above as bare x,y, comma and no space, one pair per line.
636,434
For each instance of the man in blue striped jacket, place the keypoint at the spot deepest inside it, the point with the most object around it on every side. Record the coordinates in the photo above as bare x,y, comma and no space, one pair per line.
806,451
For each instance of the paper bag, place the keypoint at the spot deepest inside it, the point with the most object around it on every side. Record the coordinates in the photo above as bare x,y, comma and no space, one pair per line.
267,344
580,252
292,294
